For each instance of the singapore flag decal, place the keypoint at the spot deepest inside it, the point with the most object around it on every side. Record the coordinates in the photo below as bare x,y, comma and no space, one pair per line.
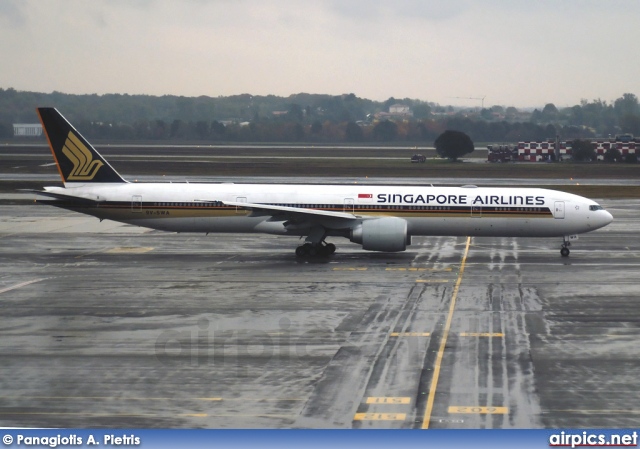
365,197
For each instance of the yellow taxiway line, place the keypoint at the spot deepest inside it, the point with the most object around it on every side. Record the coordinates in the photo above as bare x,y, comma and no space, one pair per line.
443,343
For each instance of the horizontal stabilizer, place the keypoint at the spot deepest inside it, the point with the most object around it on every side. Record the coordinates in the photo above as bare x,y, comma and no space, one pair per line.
62,196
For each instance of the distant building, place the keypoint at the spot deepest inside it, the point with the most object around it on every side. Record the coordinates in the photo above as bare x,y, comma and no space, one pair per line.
400,109
625,144
27,130
543,150
396,111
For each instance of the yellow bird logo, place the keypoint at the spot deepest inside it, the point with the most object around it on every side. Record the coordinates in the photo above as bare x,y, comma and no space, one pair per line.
84,167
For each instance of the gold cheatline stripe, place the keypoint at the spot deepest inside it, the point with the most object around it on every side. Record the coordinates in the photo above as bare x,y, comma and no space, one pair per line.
418,212
443,342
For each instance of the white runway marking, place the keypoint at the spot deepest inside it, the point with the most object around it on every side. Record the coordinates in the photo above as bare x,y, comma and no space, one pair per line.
23,284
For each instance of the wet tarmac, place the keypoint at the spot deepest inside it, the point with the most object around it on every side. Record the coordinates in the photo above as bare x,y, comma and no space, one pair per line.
110,325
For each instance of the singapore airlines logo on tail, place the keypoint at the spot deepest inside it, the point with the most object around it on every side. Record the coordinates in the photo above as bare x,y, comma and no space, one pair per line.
84,167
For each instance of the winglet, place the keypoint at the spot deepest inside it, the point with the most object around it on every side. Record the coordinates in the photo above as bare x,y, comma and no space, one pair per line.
76,159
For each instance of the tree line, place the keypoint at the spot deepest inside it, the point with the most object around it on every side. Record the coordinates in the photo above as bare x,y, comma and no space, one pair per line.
309,118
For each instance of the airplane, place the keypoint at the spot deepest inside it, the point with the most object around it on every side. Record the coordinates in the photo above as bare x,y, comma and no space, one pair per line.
378,217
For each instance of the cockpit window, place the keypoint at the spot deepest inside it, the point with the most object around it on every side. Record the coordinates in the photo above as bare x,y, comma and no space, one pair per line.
596,207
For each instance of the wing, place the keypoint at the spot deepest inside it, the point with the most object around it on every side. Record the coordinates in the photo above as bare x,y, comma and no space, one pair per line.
295,215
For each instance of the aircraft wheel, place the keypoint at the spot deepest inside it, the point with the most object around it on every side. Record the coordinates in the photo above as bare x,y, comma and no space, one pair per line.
301,251
326,250
565,252
312,250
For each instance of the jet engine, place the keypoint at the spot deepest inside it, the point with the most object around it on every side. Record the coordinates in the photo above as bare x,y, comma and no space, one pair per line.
387,234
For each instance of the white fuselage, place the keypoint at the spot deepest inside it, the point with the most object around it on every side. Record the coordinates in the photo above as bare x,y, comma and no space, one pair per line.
456,211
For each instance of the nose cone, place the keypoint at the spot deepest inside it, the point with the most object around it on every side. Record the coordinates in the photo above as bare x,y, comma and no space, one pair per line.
602,218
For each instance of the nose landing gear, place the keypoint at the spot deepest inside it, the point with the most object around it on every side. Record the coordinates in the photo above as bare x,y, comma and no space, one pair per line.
564,251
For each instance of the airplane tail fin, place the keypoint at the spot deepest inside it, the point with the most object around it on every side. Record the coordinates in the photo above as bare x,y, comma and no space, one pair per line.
76,159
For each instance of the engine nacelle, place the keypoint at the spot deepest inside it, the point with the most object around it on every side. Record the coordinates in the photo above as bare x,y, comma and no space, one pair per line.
387,234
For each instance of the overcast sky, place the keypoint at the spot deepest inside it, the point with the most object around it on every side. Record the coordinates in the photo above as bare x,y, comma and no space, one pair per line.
514,52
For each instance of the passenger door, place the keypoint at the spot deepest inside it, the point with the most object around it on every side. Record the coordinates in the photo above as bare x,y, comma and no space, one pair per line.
348,205
136,204
241,199
558,210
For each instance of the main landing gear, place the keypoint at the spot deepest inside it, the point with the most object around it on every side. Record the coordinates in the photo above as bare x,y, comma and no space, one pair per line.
315,246
564,251
321,249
